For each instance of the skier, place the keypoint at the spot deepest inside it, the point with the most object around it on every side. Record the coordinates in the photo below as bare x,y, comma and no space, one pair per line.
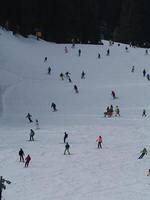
65,137
117,111
49,70
83,75
144,72
79,52
21,154
76,89
61,76
126,48
67,146
113,94
148,77
100,141
133,68
27,160
37,124
66,49
45,59
32,133
108,52
146,52
143,153
29,117
67,74
53,105
144,113
99,55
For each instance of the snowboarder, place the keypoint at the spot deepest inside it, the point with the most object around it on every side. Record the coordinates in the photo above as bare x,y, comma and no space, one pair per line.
144,113
53,105
83,75
99,55
75,89
143,153
117,111
21,154
27,160
49,70
133,68
108,52
67,146
144,72
99,141
45,59
37,124
79,52
32,133
65,137
113,94
29,117
61,76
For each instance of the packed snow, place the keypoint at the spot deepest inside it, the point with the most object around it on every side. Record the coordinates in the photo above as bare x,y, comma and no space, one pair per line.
111,173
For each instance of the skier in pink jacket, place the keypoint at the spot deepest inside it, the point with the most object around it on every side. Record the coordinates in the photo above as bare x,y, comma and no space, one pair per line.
100,141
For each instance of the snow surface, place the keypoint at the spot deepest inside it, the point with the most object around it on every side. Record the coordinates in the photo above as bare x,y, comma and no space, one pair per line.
111,173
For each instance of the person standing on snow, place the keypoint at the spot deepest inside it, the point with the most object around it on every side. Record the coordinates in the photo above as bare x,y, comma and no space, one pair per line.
45,59
27,160
21,154
144,113
83,75
144,72
67,146
49,70
53,105
32,133
79,52
99,141
117,111
143,153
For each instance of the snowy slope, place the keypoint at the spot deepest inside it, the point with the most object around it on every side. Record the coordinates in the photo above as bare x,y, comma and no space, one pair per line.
88,173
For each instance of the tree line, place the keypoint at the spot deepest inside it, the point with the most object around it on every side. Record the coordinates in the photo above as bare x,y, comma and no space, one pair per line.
81,20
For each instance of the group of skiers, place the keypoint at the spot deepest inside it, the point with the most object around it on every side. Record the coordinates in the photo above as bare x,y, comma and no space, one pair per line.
110,111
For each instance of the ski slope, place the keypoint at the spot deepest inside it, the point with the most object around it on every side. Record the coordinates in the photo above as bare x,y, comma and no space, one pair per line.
111,173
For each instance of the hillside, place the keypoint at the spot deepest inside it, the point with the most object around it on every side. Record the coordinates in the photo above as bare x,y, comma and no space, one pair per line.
113,172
